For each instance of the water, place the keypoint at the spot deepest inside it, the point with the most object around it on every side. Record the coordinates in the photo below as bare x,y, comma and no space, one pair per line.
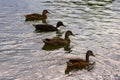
94,22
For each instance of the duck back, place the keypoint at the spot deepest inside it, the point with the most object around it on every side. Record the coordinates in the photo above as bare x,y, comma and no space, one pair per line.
75,60
43,27
33,15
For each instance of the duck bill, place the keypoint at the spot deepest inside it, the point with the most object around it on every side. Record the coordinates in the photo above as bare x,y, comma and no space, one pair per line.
93,55
73,35
63,25
48,12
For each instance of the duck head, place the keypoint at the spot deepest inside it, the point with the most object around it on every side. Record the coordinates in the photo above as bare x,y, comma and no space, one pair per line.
60,23
68,33
89,53
45,12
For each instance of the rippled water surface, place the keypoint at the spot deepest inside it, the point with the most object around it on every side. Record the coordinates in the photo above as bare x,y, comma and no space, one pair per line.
95,23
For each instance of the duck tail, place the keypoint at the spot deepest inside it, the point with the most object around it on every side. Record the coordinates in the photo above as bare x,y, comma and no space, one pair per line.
25,15
69,64
33,24
45,40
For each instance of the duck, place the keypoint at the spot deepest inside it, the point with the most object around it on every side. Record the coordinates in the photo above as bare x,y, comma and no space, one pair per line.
48,27
76,64
36,16
59,41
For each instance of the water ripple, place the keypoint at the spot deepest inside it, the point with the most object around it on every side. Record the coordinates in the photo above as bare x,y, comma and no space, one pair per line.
95,24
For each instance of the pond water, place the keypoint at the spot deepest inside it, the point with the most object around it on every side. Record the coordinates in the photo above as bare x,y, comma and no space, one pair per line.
95,23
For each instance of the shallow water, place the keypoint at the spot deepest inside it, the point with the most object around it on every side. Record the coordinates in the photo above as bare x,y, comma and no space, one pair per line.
95,24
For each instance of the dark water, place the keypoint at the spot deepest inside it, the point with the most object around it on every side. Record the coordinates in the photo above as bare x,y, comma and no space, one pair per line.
96,24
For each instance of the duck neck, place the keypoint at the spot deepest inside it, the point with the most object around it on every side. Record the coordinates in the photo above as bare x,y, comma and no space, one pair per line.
87,58
57,25
44,15
67,38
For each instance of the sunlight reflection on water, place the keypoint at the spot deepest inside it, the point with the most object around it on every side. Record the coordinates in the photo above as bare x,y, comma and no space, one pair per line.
95,24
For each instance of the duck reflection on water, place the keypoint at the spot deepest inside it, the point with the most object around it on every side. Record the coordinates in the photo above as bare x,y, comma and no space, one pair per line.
67,48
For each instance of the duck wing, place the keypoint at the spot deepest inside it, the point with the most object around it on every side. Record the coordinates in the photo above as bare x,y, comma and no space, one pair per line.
75,60
72,65
33,15
44,27
78,63
54,41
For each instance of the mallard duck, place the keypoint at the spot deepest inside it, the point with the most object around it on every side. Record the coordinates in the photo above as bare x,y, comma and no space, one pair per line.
76,64
48,27
36,16
59,41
